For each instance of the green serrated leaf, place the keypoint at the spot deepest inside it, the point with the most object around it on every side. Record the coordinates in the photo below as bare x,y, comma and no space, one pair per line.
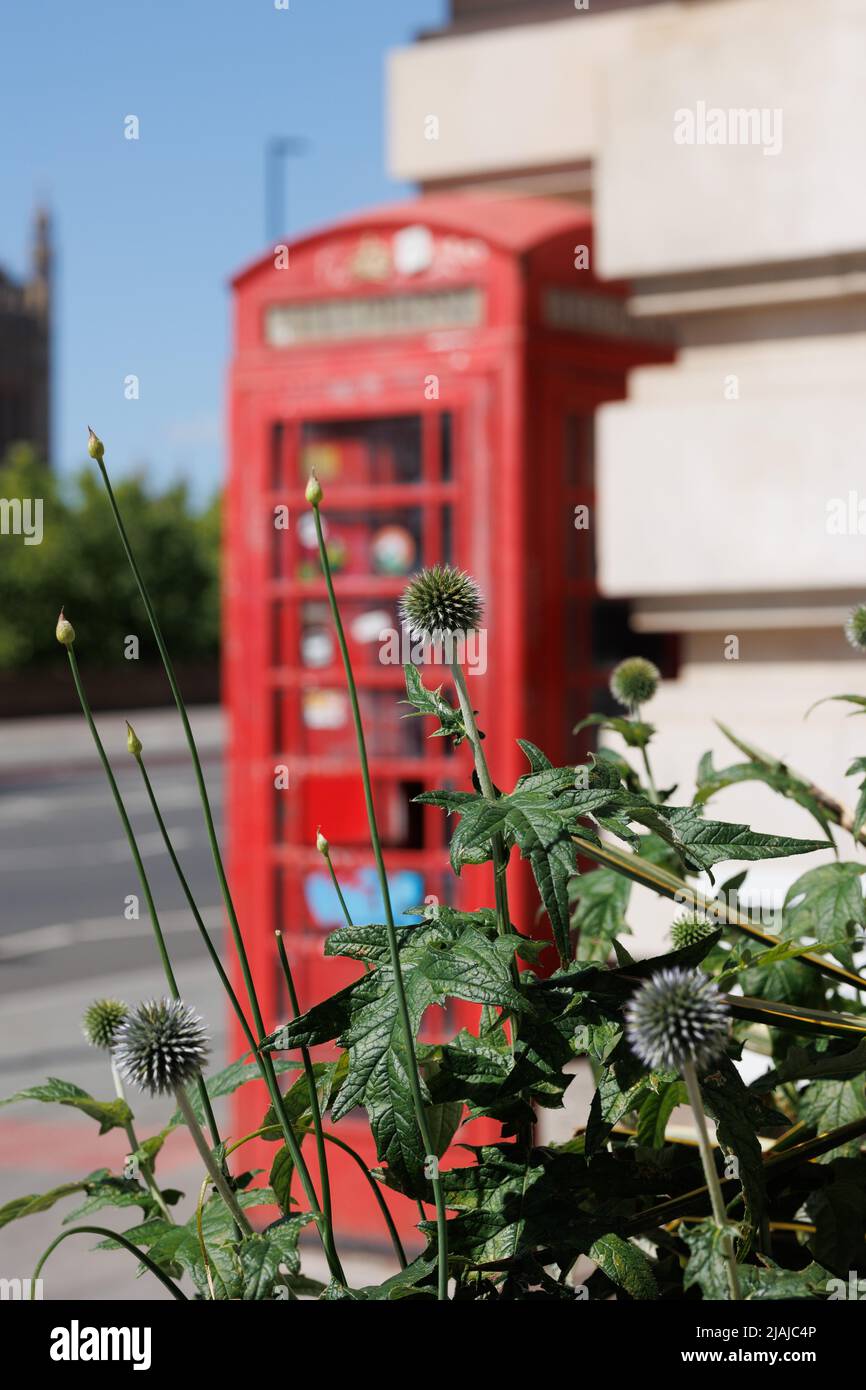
625,1265
825,1105
260,1265
111,1114
450,960
655,1112
827,905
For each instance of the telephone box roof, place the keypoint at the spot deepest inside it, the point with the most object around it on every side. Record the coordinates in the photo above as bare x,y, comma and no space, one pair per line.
511,224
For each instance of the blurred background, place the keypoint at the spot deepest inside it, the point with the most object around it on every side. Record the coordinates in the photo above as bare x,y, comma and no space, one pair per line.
718,148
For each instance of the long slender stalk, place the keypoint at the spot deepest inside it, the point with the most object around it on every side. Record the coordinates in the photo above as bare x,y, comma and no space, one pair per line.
374,1188
139,864
96,450
653,794
145,1165
776,1161
193,906
500,883
267,1132
315,1110
326,855
394,951
719,1213
216,1175
121,1240
503,921
212,951
199,1227
668,885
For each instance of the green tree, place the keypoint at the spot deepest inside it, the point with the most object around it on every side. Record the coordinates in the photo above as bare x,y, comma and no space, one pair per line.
79,564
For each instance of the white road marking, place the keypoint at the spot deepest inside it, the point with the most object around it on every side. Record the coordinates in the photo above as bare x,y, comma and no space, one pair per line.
39,857
62,935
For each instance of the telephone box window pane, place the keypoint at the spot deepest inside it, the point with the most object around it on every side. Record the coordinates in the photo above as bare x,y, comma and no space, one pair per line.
356,452
579,540
579,451
371,626
328,731
363,543
446,425
277,452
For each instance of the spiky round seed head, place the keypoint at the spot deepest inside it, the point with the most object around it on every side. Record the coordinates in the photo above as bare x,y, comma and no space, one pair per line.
161,1045
95,446
689,930
133,742
675,1017
855,627
64,631
314,493
441,600
634,681
101,1021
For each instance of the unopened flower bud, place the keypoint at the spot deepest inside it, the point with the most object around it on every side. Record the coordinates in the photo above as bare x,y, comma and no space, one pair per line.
322,844
689,930
101,1021
95,446
64,631
314,492
133,742
855,627
634,681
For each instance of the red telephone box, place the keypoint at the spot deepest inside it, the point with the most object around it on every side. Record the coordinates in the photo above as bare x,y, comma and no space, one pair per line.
439,362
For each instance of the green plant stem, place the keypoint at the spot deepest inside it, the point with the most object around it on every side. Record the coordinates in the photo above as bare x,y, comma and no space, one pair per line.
668,885
263,1059
193,907
142,874
315,1109
267,1131
653,794
331,870
121,1240
203,931
199,1227
719,1212
394,951
374,1188
216,1174
497,845
145,1164
488,791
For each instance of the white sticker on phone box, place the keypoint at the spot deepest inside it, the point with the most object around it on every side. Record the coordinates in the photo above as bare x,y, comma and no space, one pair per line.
325,709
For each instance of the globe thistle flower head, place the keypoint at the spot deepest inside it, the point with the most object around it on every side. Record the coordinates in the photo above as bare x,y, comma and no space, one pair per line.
689,930
675,1017
161,1045
439,601
855,627
634,681
101,1021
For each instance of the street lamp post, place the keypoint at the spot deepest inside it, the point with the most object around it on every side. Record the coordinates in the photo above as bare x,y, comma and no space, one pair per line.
278,150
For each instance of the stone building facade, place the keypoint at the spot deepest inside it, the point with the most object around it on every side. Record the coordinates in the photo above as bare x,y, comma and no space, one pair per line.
720,144
25,348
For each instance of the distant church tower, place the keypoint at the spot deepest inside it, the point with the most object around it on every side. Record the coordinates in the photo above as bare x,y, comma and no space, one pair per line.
25,348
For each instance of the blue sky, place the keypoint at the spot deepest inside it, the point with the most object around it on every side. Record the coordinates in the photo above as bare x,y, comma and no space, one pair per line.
149,231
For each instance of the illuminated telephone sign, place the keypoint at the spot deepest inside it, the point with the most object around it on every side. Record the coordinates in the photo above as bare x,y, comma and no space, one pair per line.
439,364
